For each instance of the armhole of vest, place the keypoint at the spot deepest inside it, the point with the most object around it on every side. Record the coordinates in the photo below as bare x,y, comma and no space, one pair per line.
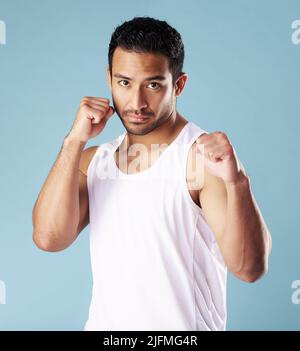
198,210
187,194
89,169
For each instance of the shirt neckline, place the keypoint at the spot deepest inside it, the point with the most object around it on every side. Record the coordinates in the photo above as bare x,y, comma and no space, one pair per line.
156,163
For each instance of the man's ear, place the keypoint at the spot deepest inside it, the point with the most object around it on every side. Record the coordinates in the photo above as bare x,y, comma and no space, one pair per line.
108,76
180,83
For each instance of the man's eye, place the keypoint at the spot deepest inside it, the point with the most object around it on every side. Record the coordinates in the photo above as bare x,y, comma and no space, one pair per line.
156,85
126,81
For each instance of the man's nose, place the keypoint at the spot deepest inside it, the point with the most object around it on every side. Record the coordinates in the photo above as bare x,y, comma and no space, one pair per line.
138,101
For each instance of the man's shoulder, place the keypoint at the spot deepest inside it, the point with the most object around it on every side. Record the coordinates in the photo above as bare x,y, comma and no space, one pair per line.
88,153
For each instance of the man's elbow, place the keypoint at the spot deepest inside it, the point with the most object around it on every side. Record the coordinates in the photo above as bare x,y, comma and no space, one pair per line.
47,242
252,275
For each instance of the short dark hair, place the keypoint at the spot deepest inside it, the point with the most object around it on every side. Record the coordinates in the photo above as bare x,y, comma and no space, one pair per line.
149,35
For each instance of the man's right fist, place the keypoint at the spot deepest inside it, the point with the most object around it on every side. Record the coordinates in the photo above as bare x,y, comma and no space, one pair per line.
91,118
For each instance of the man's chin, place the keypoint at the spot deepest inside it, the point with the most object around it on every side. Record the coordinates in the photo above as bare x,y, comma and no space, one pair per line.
139,128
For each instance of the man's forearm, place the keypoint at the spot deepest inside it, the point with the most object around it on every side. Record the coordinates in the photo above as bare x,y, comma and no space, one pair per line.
246,239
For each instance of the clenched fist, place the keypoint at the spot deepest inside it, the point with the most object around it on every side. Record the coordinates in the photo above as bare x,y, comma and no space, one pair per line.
219,156
91,118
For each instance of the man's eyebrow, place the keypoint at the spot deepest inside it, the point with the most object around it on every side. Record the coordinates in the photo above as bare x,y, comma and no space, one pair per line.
157,77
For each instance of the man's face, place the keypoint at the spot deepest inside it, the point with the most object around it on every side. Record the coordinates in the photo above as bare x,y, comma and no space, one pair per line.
141,84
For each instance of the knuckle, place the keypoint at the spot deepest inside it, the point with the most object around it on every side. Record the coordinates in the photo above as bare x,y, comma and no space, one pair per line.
84,106
221,135
228,148
83,102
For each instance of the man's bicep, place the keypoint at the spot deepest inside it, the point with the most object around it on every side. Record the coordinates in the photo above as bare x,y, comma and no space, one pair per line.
213,200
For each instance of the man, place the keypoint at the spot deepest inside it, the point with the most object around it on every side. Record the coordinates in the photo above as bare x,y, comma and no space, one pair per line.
169,205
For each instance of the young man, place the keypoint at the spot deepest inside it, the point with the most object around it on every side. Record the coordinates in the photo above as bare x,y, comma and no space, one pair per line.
169,205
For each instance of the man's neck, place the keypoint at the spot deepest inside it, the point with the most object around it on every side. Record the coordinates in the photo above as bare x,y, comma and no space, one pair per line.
163,134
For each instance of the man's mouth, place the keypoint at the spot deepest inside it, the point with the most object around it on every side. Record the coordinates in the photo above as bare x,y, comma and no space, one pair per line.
138,118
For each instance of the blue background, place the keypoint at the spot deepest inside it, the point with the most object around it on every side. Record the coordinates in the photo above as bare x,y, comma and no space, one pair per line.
244,78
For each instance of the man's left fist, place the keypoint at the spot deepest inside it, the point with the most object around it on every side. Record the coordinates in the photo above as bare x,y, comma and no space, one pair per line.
220,157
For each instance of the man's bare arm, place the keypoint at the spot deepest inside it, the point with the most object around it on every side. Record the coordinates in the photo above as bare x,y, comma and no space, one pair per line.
241,232
56,213
60,211
231,210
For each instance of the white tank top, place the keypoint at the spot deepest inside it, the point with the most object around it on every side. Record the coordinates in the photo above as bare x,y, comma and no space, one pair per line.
155,262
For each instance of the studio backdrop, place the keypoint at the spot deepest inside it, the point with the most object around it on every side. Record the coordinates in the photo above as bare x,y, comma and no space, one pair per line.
243,65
